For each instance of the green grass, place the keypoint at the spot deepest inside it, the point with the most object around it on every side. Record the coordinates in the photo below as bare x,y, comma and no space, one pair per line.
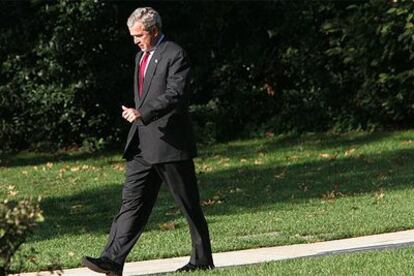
259,192
387,262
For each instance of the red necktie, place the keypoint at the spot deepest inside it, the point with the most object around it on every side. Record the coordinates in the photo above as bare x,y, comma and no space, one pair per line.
142,67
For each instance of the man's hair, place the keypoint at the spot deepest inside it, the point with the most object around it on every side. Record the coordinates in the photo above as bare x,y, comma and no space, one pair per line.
146,16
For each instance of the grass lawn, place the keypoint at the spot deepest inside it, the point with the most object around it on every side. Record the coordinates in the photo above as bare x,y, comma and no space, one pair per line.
260,192
387,262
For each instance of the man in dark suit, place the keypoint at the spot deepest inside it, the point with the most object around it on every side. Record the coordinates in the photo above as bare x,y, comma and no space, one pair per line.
159,149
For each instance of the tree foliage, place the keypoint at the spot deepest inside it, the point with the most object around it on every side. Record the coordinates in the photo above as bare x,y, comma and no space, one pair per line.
66,67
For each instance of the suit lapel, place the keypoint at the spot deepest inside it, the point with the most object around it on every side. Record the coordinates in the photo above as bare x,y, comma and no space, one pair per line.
152,66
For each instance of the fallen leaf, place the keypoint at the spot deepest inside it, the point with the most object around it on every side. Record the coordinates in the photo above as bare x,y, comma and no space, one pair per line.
269,89
168,226
172,212
332,195
258,162
224,161
119,167
292,158
303,187
210,202
74,169
206,168
236,190
379,196
280,175
349,152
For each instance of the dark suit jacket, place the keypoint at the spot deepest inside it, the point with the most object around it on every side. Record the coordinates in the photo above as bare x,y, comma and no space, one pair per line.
164,132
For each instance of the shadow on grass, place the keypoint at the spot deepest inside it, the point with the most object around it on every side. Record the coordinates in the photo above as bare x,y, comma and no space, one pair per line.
247,188
33,159
270,144
318,141
239,190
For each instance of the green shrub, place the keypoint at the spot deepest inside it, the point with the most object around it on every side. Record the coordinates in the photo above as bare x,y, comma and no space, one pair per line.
59,85
17,221
371,49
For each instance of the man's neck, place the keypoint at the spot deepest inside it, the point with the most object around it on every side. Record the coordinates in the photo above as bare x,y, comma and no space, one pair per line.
157,42
158,39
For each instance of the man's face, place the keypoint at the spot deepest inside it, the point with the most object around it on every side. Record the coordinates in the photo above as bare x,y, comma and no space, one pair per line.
142,38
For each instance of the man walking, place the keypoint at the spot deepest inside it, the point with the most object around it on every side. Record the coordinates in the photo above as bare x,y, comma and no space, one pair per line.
160,147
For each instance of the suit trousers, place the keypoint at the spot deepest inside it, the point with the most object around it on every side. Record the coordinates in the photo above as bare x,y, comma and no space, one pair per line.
140,190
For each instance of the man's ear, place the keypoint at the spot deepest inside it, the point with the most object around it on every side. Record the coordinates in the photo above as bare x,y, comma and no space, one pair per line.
155,30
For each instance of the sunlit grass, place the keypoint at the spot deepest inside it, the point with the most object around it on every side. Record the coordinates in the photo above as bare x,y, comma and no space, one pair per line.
260,192
387,262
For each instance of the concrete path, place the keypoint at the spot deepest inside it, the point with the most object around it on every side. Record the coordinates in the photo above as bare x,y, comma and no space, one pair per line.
252,256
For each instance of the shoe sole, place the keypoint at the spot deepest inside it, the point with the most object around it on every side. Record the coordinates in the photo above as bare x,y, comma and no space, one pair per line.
94,267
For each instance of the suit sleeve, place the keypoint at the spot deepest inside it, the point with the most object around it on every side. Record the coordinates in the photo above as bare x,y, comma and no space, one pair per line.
177,73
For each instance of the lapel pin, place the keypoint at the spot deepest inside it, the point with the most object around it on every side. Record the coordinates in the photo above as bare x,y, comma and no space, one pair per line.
156,61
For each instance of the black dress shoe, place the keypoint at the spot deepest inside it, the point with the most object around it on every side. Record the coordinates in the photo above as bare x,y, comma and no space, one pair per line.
192,267
102,265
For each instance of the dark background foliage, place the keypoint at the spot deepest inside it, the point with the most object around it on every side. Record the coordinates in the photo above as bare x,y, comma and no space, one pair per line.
258,67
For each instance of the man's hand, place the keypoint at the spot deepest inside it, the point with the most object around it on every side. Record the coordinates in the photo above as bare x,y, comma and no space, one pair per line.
130,114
